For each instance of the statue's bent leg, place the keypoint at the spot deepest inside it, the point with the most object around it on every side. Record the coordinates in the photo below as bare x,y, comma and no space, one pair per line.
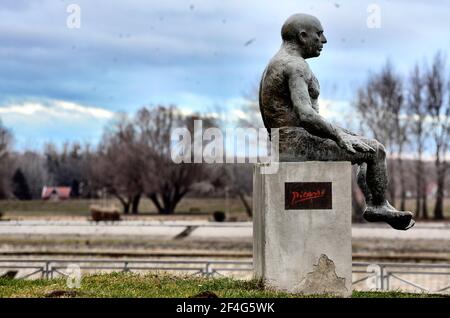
376,176
375,183
296,144
361,179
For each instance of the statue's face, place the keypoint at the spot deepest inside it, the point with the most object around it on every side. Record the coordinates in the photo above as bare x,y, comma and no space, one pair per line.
312,39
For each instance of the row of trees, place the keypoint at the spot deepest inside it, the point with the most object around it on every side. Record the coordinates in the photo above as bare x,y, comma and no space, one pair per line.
132,161
411,115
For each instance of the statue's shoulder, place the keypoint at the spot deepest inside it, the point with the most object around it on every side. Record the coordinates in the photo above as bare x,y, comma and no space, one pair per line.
289,65
297,66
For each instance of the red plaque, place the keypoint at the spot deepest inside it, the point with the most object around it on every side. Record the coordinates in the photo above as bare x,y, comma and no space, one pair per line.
307,196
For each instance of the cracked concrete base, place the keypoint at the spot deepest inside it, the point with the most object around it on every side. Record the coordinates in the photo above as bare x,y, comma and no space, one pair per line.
323,280
303,251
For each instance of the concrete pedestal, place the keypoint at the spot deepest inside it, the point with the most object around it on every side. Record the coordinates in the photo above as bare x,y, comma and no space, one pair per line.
302,227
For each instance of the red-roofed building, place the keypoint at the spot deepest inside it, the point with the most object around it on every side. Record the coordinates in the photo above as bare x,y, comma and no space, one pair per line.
56,193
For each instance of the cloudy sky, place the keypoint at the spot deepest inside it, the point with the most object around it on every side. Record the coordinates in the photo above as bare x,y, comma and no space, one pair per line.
61,83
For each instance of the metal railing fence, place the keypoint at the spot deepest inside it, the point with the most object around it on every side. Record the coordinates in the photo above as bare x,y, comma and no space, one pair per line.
377,276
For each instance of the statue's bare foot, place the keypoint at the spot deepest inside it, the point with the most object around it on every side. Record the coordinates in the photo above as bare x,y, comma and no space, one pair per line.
399,220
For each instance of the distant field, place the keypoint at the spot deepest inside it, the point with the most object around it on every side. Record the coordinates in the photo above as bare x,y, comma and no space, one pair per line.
11,208
14,208
411,205
159,286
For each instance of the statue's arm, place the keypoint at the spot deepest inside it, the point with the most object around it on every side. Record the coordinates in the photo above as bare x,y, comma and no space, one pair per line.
309,118
316,124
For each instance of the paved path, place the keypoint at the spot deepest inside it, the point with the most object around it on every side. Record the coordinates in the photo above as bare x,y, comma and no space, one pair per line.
203,229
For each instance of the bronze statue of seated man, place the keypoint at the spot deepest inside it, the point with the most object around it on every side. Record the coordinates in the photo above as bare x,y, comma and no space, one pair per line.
288,100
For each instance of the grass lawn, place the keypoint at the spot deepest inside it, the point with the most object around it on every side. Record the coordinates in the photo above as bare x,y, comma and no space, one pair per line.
15,208
158,286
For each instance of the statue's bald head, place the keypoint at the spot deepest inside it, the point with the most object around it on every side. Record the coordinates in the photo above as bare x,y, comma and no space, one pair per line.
305,31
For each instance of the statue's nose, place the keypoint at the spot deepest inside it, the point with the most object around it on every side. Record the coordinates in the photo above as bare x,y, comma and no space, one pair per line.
323,39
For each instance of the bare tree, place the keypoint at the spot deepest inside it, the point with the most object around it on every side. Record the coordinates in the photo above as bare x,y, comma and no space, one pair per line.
166,182
239,179
5,143
33,166
380,105
437,89
401,126
417,111
118,167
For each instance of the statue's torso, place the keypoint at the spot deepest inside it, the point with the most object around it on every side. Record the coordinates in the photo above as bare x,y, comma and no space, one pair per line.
275,96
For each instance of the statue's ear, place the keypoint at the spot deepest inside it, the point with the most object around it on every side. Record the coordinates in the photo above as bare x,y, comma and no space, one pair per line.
302,36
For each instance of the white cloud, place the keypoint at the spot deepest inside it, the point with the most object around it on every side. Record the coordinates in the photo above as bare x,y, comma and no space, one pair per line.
36,122
57,109
95,112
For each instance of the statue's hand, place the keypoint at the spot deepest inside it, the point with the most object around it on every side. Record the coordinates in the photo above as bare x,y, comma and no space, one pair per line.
353,143
345,143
